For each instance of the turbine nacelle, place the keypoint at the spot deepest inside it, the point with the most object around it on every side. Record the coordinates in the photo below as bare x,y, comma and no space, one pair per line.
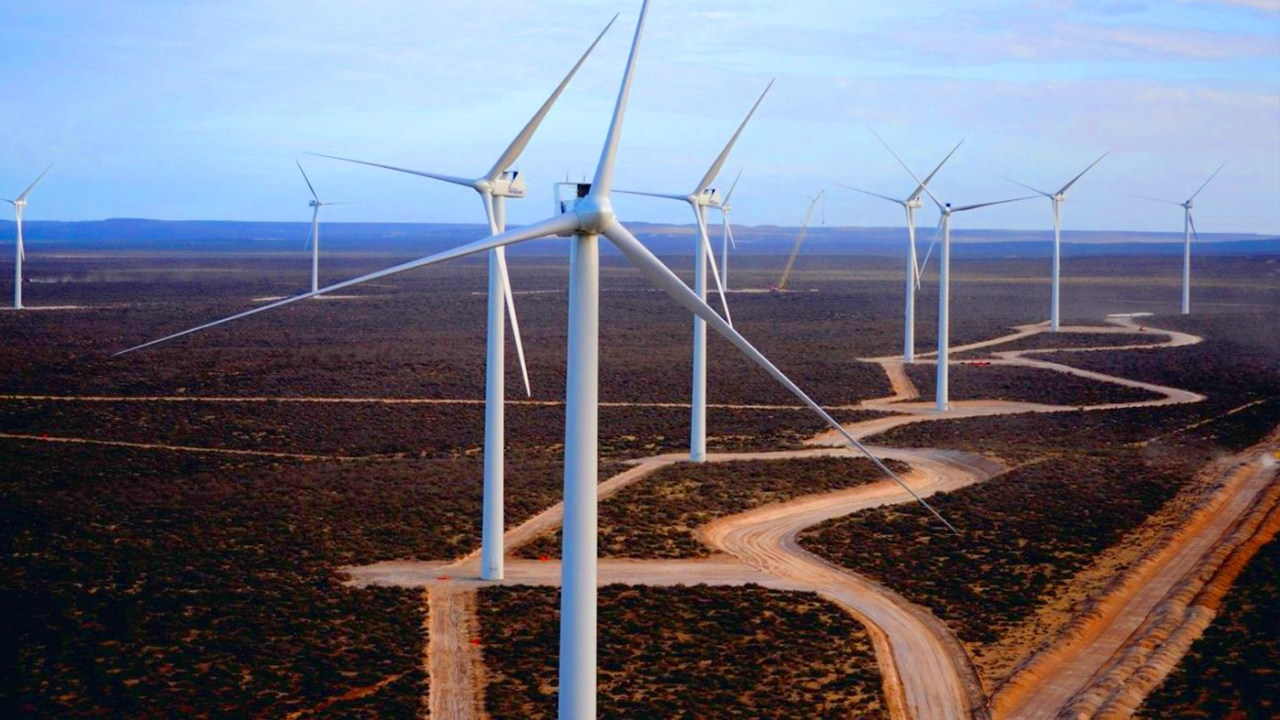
707,198
915,203
509,184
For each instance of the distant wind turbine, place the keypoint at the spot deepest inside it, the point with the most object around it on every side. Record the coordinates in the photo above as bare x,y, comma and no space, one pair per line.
494,188
587,217
1189,229
804,233
1057,198
20,251
942,398
701,198
911,204
726,239
314,239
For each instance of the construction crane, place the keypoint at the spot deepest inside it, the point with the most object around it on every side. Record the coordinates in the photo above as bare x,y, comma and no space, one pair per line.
804,232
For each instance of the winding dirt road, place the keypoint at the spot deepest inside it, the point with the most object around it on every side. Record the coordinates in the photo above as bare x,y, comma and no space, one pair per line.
927,674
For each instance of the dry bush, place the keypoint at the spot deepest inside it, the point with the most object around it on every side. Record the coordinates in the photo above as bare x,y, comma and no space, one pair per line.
688,652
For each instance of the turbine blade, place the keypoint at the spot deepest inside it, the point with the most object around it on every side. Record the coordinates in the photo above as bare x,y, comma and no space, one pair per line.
35,182
989,204
1152,199
728,198
895,201
512,153
711,260
661,276
1192,220
1193,197
924,185
1026,186
664,196
315,225
733,242
603,182
559,224
920,183
465,182
724,154
308,180
1076,179
924,264
501,255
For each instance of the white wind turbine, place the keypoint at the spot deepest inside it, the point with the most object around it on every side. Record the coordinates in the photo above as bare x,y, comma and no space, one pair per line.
494,188
1188,229
725,207
942,398
804,233
585,220
314,239
911,204
1057,198
20,251
703,197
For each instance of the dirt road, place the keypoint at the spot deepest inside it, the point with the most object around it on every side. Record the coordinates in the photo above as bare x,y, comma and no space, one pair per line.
1077,676
927,674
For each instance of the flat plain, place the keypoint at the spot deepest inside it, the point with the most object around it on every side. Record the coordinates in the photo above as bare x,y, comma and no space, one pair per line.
174,522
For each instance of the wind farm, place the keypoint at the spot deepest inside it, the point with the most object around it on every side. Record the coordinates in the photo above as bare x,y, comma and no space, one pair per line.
1022,481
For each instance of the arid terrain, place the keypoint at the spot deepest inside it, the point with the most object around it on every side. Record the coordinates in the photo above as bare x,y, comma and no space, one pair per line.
253,521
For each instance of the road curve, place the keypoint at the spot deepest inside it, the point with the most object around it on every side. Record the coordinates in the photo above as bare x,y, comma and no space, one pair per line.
918,656
928,676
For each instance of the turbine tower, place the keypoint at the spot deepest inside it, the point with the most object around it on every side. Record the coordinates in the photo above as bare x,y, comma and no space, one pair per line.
314,239
1057,198
911,204
584,221
703,197
726,236
494,188
20,252
1188,229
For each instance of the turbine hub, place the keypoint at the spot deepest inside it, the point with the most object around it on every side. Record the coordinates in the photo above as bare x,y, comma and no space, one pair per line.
594,213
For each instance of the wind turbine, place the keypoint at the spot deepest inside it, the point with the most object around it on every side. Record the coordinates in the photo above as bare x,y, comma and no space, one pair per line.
804,233
911,204
1057,199
314,240
494,188
586,218
20,252
942,399
725,207
1189,229
703,197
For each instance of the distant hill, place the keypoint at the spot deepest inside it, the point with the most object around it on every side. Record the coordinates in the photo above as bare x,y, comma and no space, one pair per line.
139,235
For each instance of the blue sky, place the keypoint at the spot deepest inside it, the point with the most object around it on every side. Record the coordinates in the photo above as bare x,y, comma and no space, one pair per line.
179,110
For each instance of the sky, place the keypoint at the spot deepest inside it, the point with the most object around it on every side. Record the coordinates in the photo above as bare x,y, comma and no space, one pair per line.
185,111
